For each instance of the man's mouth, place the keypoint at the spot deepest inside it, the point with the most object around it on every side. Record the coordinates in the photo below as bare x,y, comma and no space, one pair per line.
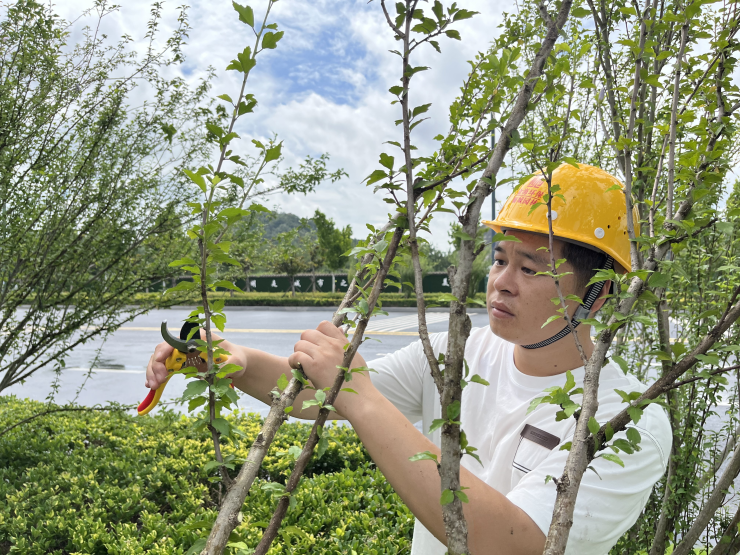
499,310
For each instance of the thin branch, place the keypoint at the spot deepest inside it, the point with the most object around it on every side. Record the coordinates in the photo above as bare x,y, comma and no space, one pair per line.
554,270
303,459
674,121
706,513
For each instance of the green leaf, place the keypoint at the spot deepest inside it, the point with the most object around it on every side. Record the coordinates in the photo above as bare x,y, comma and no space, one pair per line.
453,410
436,424
320,396
463,14
709,359
219,320
633,435
499,237
658,280
453,34
221,425
570,381
196,402
593,425
270,40
580,12
423,456
386,161
461,495
419,110
227,285
196,178
447,497
477,379
462,235
552,319
537,402
273,153
321,448
635,414
621,362
246,15
197,547
194,388
215,129
613,458
377,175
282,382
182,262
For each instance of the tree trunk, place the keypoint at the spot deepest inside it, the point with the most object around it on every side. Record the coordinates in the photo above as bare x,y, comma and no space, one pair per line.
715,500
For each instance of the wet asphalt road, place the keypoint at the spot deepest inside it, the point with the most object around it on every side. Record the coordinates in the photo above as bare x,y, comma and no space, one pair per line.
120,369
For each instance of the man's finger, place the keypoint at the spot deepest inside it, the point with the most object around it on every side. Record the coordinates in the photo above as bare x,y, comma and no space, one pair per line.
330,330
299,358
314,336
308,347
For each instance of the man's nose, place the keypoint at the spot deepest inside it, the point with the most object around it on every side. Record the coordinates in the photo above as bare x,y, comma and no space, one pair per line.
503,281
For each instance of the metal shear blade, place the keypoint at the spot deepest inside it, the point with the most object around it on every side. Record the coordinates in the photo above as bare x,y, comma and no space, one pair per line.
180,344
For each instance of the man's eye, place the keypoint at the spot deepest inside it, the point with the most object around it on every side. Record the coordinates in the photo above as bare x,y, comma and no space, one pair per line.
498,262
528,271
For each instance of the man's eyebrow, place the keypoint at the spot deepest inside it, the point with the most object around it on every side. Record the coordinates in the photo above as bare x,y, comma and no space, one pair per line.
534,257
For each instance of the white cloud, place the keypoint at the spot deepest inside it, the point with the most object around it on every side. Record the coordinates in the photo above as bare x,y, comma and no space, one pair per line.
325,87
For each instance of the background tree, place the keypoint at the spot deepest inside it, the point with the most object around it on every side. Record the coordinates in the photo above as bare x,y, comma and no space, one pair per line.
290,255
648,91
334,242
90,187
248,247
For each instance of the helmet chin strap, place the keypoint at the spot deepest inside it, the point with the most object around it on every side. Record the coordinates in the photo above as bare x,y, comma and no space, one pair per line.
582,312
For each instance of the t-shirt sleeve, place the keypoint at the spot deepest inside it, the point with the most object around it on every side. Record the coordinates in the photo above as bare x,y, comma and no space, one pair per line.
609,502
399,376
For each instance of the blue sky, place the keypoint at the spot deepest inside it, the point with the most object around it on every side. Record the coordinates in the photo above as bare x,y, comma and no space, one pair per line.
324,89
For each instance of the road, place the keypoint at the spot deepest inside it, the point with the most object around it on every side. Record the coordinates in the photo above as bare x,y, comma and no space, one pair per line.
120,368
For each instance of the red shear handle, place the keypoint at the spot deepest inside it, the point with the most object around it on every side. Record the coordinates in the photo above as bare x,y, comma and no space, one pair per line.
173,363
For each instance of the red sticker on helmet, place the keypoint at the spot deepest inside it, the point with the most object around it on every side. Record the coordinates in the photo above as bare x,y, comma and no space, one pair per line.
531,192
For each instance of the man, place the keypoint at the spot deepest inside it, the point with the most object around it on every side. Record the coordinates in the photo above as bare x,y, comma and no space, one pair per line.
510,498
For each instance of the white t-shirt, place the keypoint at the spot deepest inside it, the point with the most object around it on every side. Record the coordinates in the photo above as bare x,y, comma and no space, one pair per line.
520,450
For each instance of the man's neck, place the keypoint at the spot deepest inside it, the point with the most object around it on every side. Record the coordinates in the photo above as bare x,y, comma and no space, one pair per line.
554,359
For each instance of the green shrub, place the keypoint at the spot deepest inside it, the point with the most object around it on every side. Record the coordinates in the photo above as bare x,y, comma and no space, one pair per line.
107,482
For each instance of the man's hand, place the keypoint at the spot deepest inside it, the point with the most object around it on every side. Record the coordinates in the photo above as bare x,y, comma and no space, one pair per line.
156,371
320,352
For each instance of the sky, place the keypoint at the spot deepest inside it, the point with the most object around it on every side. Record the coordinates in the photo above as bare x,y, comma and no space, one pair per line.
323,90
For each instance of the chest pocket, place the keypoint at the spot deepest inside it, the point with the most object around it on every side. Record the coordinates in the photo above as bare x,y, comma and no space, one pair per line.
534,446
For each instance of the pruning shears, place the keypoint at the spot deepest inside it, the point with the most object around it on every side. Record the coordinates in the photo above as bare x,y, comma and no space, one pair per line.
186,354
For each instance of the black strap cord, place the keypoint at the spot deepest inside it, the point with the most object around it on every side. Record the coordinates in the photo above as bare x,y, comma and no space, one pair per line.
581,313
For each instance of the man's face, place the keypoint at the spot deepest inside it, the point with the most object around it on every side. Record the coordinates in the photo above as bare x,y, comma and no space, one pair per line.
518,300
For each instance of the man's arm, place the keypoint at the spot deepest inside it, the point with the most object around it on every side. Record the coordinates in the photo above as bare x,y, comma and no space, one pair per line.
259,375
495,525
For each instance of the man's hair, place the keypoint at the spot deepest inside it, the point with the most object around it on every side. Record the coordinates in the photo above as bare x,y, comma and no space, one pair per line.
584,261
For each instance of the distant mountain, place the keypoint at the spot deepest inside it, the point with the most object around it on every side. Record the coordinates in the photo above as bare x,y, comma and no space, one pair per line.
280,222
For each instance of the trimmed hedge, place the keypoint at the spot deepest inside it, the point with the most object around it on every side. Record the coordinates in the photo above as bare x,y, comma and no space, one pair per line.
111,483
389,300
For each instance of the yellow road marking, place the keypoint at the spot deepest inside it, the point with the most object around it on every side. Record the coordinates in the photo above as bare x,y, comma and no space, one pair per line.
235,330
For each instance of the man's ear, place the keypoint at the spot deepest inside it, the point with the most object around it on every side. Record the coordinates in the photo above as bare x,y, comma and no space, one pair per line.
601,299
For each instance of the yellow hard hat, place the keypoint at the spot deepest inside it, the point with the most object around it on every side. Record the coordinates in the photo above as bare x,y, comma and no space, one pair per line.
594,212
